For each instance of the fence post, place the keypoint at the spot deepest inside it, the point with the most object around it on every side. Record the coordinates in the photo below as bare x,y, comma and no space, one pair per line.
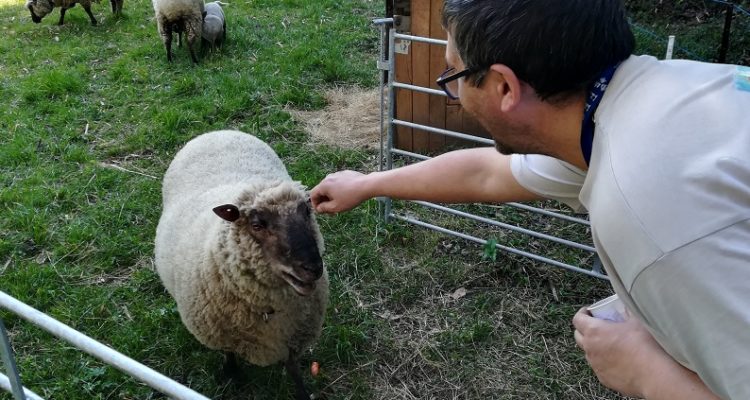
670,48
10,364
729,13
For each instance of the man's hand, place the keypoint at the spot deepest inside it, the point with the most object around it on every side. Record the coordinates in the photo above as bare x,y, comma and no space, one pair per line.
616,351
337,192
626,358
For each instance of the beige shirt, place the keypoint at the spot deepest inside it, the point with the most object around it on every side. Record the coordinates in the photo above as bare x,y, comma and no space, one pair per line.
668,195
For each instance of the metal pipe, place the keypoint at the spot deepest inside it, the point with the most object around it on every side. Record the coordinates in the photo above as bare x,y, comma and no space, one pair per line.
670,48
5,384
388,203
410,154
509,227
549,213
10,364
420,89
421,39
499,246
382,21
445,132
100,351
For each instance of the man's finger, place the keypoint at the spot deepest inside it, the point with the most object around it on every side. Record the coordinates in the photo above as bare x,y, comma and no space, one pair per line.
578,336
581,319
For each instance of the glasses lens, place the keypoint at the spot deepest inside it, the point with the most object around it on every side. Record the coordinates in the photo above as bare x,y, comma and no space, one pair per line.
448,81
452,88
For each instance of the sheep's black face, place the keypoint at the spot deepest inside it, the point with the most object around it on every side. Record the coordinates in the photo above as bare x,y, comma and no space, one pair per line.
290,240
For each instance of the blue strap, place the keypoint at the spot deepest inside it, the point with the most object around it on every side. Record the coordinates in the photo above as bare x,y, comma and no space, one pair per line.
595,94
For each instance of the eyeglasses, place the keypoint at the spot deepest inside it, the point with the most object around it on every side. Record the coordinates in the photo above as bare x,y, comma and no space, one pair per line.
448,81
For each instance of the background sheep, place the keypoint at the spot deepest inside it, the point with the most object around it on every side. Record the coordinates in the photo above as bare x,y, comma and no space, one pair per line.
214,24
40,8
179,16
238,248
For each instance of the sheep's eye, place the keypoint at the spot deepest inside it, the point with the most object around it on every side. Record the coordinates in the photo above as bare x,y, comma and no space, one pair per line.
257,226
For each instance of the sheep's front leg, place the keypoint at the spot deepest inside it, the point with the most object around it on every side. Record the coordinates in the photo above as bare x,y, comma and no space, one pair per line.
165,30
193,29
87,7
62,13
231,367
116,6
292,368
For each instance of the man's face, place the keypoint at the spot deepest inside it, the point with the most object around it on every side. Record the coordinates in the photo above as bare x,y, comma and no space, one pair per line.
510,134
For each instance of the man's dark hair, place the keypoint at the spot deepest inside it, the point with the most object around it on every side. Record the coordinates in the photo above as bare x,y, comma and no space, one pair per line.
559,47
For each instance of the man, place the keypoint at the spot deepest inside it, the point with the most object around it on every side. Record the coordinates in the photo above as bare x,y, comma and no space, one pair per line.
657,152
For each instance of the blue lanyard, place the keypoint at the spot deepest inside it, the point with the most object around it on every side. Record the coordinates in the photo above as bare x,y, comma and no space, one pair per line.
596,92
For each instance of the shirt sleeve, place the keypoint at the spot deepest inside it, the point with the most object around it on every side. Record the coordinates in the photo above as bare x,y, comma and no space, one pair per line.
696,302
550,178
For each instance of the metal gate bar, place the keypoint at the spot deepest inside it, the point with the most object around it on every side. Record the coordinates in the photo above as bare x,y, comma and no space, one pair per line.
104,353
388,121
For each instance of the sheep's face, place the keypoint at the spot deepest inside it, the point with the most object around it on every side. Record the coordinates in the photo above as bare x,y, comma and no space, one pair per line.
288,236
39,9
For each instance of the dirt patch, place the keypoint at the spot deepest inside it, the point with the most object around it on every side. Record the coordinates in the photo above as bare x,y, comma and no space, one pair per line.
350,120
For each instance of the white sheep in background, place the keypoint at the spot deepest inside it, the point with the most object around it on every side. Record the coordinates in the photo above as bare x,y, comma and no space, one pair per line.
239,249
40,8
179,16
214,24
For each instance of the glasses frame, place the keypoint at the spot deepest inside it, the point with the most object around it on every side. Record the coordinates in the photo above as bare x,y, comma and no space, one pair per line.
444,79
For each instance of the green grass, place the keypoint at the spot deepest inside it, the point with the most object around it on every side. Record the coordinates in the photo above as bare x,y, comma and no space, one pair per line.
90,119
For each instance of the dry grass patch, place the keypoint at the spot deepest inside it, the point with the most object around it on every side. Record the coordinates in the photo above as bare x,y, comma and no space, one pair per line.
351,120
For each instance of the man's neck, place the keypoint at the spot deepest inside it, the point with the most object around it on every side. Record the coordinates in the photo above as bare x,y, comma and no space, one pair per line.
561,124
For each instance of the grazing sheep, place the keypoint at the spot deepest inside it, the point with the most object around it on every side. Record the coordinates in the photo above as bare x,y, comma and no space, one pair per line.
214,24
238,248
40,8
179,16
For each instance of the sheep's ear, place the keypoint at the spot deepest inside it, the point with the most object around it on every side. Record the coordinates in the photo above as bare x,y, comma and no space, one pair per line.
228,212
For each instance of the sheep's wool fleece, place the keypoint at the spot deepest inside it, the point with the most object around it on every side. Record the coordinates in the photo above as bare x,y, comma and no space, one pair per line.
212,29
226,294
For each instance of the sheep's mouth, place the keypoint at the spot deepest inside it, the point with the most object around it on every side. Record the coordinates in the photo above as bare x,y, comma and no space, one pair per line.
301,287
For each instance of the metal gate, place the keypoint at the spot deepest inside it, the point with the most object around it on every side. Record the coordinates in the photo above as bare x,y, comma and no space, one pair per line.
12,381
389,39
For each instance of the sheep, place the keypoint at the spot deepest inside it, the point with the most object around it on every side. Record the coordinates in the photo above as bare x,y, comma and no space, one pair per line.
214,24
238,247
212,30
40,8
179,16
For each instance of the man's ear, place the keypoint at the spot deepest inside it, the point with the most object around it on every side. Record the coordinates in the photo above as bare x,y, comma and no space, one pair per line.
508,87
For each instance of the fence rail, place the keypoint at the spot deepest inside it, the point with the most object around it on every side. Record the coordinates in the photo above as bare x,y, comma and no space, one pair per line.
94,348
388,120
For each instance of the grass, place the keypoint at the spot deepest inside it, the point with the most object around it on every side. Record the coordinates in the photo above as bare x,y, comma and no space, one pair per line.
91,117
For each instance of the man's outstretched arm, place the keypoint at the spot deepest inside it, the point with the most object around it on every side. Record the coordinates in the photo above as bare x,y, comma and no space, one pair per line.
462,176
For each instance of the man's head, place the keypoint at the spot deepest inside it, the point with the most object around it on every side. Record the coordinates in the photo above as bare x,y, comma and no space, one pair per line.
556,47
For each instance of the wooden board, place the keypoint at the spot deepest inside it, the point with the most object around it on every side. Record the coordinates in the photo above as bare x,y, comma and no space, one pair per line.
421,66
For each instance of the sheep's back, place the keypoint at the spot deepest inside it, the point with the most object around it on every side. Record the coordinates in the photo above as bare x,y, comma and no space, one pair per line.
214,8
212,28
174,9
220,158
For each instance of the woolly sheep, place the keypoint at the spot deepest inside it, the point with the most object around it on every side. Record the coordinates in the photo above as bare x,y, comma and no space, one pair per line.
179,16
212,30
40,8
238,247
214,24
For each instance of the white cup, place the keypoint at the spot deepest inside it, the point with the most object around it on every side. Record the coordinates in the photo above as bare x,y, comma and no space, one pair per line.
611,309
